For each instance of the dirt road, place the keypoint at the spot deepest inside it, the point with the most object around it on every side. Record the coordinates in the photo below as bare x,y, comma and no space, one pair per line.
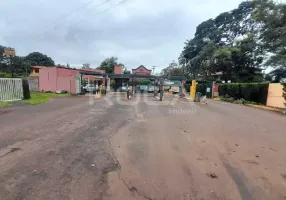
70,149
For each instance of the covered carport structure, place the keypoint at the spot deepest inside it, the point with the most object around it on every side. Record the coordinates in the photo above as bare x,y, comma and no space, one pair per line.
129,80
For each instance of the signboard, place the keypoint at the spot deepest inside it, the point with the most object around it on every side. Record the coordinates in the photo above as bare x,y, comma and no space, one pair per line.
9,52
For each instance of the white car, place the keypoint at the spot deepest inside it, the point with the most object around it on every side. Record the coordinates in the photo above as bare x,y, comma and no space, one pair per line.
151,89
89,87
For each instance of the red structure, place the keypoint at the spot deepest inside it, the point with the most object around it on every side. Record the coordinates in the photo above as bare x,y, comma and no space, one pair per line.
118,69
141,70
56,78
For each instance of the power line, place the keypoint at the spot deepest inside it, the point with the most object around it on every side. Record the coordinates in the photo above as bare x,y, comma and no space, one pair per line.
95,14
85,11
102,11
71,12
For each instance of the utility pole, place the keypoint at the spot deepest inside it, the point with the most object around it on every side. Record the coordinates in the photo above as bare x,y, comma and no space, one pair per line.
153,69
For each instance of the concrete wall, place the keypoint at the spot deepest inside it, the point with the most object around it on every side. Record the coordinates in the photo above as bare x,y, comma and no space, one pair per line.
48,79
67,83
274,98
54,79
33,83
63,72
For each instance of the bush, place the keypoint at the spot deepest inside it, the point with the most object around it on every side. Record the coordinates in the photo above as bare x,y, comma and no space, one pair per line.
251,92
255,92
227,99
5,75
239,101
202,88
188,86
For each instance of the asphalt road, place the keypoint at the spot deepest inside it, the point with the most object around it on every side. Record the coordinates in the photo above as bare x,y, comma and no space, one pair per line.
77,149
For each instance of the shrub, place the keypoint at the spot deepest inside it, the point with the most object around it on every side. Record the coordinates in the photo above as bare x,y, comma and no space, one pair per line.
239,101
227,99
5,75
233,90
252,92
223,89
201,88
187,87
255,92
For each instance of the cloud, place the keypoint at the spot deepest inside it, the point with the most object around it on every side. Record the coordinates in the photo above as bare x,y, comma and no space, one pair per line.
138,32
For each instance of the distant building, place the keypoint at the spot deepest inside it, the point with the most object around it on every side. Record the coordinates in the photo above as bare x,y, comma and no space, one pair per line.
36,70
141,70
60,78
118,69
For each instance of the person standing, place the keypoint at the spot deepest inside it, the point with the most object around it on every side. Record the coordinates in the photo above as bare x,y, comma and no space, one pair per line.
96,88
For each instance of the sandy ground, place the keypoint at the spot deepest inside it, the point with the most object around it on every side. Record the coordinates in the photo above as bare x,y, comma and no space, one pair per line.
141,149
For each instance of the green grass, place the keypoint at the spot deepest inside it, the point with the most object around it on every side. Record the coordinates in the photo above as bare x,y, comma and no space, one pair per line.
40,97
4,104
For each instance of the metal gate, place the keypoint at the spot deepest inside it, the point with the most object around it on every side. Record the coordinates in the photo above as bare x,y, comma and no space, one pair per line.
11,89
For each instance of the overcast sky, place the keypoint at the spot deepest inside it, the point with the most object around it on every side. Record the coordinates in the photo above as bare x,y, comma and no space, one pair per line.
147,32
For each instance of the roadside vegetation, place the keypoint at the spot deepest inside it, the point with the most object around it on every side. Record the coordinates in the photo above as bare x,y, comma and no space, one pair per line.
237,46
41,97
36,98
4,104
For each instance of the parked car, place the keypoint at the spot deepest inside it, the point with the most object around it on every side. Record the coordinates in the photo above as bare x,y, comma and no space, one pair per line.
89,87
151,89
123,89
143,88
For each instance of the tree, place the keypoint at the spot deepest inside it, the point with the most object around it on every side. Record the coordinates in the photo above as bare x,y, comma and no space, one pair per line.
108,64
228,43
39,59
272,16
172,70
125,70
277,75
85,65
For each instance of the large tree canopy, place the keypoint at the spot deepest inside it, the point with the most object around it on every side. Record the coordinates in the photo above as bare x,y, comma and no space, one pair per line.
108,64
12,66
39,59
229,44
272,17
172,70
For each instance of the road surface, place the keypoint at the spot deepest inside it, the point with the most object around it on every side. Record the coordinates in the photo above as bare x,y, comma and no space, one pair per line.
78,149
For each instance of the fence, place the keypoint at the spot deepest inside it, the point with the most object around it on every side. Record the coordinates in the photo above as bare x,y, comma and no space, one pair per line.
11,89
33,83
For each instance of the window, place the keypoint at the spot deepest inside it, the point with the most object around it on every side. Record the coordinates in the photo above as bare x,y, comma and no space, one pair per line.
37,71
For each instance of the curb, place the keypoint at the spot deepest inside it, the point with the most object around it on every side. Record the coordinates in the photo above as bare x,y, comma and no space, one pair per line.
279,110
263,107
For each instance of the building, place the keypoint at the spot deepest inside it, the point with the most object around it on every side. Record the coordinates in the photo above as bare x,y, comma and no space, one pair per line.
58,78
118,69
36,70
141,70
118,80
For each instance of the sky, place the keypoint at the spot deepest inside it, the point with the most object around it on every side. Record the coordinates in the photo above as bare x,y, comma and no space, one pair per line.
137,32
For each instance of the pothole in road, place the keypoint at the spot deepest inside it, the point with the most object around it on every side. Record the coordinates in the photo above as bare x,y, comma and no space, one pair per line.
212,175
